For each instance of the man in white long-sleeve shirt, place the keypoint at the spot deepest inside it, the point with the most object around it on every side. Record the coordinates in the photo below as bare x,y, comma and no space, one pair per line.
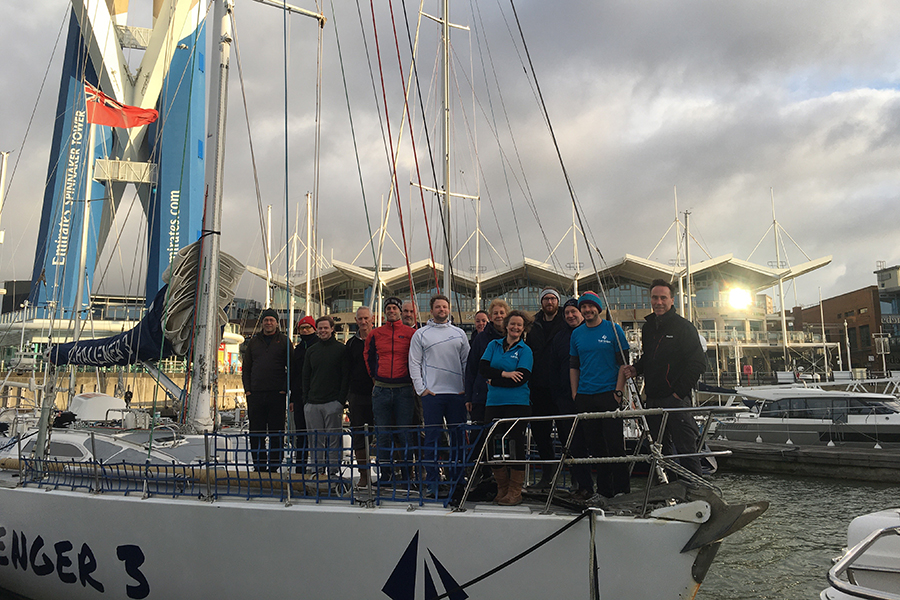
437,365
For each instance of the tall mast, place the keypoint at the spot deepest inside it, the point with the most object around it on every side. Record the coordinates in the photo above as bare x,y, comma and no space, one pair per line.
478,252
82,254
4,156
309,247
687,262
778,266
269,256
445,28
206,340
678,255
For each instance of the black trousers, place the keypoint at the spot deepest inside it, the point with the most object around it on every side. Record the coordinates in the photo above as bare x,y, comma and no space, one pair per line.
580,473
266,413
605,438
543,405
682,436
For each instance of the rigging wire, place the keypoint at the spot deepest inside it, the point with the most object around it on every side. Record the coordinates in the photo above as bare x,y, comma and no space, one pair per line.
391,143
412,138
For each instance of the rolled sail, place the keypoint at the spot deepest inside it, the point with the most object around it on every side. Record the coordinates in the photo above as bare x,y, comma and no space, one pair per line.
166,328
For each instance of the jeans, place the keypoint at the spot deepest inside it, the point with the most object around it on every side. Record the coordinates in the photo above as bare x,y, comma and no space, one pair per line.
393,407
436,408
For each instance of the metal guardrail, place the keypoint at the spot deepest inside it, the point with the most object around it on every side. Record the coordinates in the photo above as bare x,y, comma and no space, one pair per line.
846,562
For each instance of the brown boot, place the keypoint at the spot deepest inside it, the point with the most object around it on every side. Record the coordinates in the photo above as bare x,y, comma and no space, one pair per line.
516,479
501,476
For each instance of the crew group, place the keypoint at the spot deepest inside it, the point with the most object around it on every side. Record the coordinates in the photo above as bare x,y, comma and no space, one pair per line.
560,361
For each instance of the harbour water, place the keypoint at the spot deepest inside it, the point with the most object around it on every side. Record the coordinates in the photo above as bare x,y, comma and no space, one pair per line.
786,553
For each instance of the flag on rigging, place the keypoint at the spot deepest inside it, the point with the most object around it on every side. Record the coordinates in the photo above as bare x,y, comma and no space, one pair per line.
103,110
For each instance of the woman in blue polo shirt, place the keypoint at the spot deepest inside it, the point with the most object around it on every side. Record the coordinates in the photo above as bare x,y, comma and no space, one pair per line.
506,365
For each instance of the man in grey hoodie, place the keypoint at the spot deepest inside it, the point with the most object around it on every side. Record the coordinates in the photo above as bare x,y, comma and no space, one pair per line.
437,365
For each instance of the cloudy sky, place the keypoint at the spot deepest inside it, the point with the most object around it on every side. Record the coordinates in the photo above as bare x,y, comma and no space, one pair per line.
723,101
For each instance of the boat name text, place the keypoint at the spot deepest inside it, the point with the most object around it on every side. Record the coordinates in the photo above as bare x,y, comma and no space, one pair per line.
69,567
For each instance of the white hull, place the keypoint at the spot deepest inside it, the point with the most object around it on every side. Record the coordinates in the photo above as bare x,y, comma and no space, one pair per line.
870,568
265,549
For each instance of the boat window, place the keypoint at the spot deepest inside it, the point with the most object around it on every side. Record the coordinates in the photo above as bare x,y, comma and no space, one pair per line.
876,407
799,409
818,408
130,456
840,409
104,449
780,409
58,450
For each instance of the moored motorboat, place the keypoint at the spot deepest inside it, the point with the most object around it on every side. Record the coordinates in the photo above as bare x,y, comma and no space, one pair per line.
809,431
870,566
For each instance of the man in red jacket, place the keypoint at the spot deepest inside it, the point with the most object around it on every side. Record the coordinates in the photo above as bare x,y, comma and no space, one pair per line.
393,401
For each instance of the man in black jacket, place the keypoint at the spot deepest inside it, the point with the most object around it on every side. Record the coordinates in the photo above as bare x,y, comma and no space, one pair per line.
671,363
359,396
548,322
306,330
264,375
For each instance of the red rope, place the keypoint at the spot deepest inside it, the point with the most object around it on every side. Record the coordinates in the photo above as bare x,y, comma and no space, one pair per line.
412,140
391,145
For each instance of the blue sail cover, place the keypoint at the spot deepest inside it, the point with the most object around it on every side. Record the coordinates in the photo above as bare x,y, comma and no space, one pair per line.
146,341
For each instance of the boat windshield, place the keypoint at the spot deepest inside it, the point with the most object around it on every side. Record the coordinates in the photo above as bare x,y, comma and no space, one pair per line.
835,409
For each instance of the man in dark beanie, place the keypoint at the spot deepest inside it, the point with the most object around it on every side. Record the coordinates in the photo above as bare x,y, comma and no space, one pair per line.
265,387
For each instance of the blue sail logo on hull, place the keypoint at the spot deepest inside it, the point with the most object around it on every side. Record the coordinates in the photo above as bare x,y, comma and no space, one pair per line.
401,585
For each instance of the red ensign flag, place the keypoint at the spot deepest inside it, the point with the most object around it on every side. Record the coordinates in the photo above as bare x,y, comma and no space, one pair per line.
103,110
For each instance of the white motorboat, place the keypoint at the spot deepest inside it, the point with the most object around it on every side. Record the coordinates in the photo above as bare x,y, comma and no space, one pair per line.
870,567
805,416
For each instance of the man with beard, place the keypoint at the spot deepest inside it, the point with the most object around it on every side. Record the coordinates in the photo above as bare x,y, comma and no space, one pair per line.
437,365
671,363
597,350
548,322
264,377
393,401
564,398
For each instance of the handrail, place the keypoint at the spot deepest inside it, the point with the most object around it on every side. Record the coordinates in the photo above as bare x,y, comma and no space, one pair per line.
656,450
854,553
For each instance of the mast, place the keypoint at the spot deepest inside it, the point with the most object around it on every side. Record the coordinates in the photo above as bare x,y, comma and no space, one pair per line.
478,253
206,340
269,256
445,36
678,255
784,331
3,161
575,264
687,261
309,246
82,254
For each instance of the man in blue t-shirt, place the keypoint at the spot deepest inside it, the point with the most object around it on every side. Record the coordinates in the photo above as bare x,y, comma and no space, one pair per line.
597,350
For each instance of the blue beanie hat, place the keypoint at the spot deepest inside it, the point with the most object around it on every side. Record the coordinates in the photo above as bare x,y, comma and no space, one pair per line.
591,297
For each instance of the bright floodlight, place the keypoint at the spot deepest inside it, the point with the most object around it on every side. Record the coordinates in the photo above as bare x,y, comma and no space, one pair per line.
739,299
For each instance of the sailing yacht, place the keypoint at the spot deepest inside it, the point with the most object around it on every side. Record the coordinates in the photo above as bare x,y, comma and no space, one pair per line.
149,525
